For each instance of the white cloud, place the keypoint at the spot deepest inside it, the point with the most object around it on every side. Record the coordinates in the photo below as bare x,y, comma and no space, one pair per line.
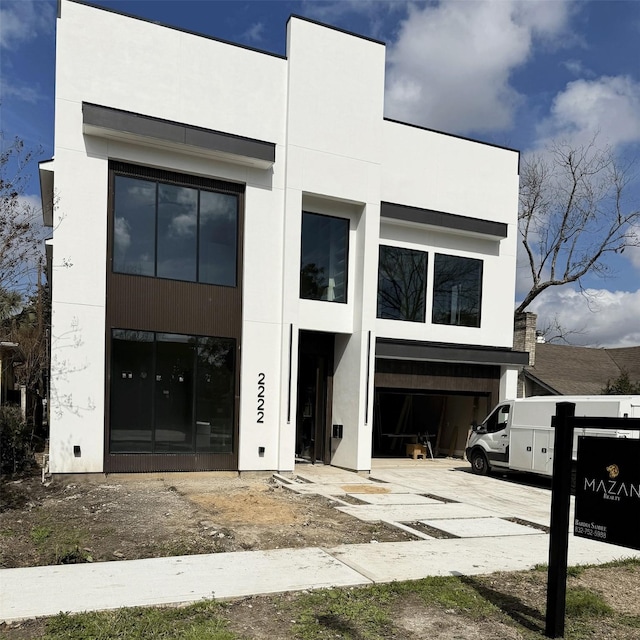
122,235
451,64
577,68
183,226
603,318
23,21
608,106
254,34
21,92
633,255
30,204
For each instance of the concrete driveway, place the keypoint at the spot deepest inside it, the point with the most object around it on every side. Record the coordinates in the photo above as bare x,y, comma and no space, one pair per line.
405,488
468,524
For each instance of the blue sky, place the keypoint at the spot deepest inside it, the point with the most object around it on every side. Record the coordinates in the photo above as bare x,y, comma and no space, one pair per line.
511,72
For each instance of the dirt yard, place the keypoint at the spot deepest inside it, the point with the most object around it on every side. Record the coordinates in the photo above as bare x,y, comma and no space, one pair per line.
134,516
125,517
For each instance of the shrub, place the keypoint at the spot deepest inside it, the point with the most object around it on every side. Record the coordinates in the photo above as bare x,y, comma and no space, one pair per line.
16,452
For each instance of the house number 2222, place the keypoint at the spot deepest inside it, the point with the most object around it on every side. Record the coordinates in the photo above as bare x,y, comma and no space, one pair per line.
261,378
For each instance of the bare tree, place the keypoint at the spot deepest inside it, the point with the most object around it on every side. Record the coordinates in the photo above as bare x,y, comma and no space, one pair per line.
24,308
20,228
573,213
554,332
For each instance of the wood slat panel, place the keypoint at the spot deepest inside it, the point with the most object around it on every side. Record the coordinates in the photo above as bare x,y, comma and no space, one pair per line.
438,376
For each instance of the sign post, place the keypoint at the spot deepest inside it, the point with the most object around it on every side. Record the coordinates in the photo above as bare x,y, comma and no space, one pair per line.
559,536
607,491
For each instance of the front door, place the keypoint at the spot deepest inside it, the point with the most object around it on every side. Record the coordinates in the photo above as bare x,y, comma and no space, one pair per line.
315,377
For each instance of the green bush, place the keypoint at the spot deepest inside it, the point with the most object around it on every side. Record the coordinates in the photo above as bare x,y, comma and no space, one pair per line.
16,452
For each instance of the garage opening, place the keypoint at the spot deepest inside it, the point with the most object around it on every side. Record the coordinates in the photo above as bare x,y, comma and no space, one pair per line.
403,417
437,400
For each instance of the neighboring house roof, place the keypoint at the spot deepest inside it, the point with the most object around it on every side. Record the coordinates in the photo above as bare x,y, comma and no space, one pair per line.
628,359
571,370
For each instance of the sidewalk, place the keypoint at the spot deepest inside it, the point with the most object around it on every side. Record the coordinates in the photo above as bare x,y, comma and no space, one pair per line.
488,542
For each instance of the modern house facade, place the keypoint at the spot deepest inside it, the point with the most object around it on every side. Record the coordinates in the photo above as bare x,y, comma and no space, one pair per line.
252,265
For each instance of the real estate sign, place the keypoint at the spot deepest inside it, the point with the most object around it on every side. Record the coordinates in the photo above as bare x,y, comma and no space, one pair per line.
608,491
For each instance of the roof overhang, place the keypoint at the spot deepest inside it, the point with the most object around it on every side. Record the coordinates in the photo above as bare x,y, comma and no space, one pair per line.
106,122
45,170
392,349
442,220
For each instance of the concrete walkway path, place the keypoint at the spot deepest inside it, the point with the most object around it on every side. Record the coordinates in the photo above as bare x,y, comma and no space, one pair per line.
488,516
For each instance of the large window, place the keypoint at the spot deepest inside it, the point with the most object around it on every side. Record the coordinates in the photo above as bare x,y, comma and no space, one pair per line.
174,231
457,290
171,393
323,262
402,283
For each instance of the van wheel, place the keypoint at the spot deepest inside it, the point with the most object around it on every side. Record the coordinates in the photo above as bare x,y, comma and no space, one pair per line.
479,463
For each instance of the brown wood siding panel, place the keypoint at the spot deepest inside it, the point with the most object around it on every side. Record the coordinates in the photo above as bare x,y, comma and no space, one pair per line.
132,463
172,306
438,376
152,304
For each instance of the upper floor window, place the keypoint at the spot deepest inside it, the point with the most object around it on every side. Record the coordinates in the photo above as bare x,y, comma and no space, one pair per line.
457,290
172,230
402,283
323,260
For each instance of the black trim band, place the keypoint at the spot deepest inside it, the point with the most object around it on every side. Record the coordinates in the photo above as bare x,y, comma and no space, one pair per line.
111,119
443,220
389,348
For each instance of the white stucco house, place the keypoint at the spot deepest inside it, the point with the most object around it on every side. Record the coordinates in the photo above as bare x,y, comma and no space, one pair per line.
251,265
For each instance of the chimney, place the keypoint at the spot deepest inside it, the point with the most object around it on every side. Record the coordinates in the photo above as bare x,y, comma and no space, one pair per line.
524,334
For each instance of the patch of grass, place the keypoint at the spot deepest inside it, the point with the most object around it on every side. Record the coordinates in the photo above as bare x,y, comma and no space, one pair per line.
58,544
201,621
633,622
450,593
368,613
40,534
173,548
373,612
356,613
577,570
623,563
583,603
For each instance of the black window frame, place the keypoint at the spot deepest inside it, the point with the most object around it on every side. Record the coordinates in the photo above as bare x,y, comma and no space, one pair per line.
166,177
303,289
195,342
467,319
384,312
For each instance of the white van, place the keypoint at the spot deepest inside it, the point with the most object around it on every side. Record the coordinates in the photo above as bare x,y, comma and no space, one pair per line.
517,434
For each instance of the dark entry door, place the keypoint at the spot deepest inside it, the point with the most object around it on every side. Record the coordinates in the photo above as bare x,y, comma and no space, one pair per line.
315,378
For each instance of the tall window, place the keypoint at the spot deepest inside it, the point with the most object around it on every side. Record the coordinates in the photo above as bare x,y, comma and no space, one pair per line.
402,283
171,393
323,262
457,290
174,231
